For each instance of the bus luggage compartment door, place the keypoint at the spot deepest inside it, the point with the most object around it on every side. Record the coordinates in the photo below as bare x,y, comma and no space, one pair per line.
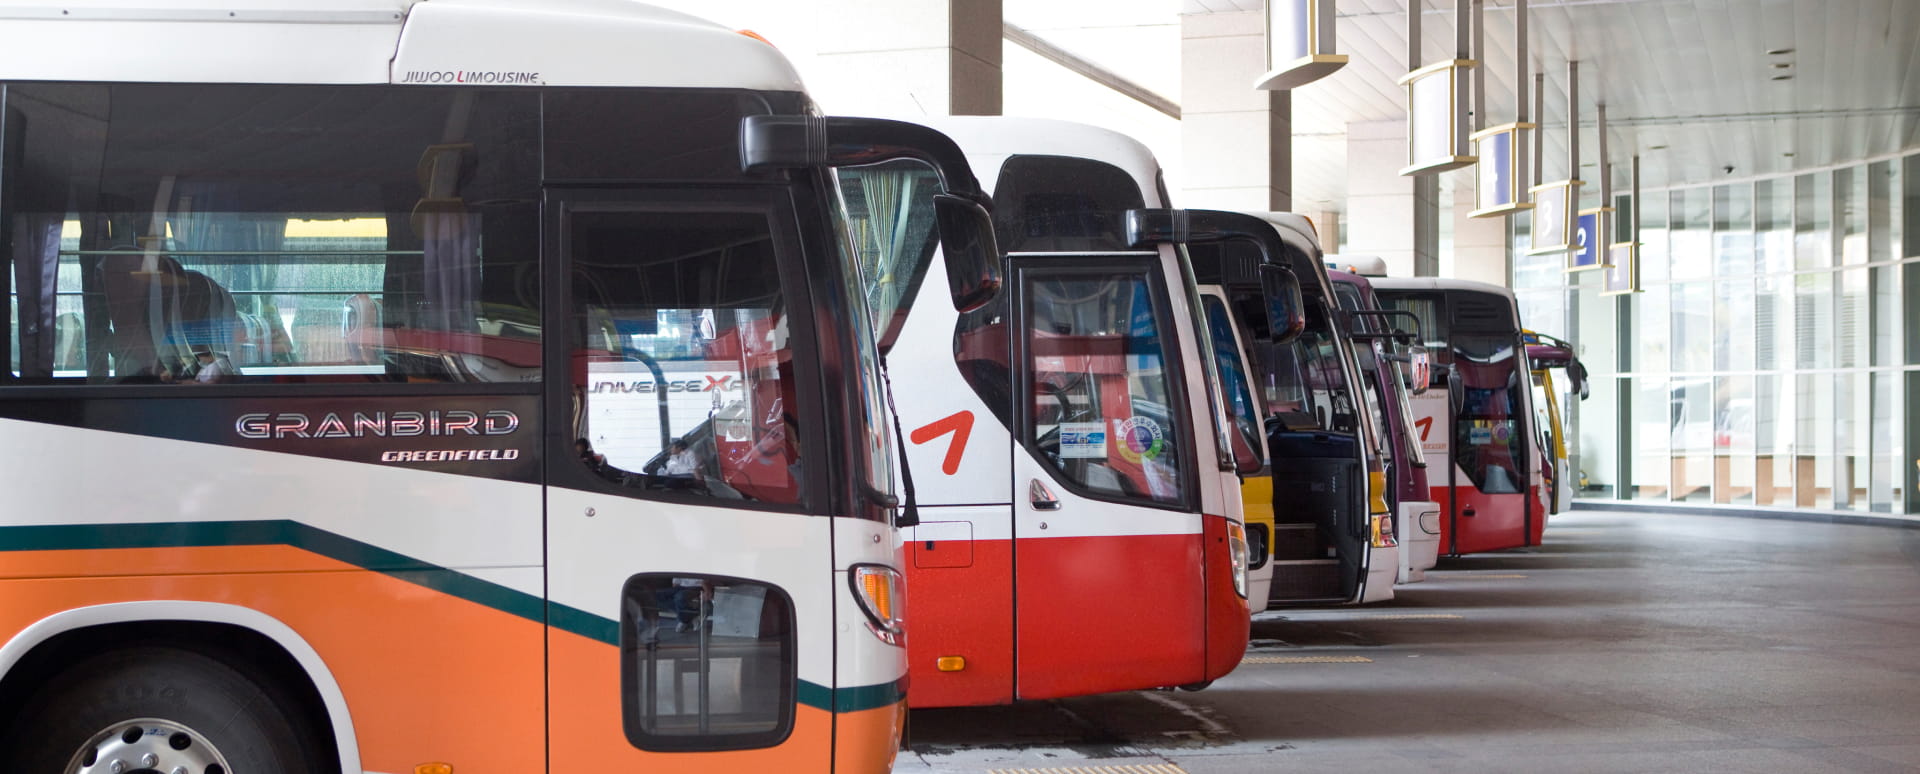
960,607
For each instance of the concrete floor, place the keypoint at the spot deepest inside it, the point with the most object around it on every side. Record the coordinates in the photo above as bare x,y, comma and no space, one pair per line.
1627,643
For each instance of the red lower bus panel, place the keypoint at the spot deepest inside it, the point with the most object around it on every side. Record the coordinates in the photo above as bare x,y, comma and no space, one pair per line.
1227,621
1105,614
1498,521
964,611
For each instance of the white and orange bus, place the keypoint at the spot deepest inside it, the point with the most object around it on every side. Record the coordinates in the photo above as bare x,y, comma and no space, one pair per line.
444,386
1079,509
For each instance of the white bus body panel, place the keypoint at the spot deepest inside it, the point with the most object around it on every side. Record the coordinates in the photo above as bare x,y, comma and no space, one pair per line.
1419,526
234,484
463,42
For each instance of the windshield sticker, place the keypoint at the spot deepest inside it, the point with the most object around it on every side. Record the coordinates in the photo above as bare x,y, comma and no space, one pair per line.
1138,438
1083,440
1480,433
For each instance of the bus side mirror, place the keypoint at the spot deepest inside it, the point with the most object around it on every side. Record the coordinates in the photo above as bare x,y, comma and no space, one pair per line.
1286,310
1419,369
1580,383
972,253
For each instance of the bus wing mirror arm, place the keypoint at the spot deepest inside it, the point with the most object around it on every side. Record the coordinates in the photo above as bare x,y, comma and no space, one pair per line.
963,210
1279,285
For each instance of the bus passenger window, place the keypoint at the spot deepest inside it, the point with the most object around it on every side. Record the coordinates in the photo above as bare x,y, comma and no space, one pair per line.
682,354
706,663
396,242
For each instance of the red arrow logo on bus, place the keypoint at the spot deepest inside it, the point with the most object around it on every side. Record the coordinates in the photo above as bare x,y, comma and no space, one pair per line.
1425,424
960,425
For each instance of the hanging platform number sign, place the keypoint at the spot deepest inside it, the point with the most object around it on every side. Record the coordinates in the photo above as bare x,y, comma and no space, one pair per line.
1299,44
1502,167
1623,269
1588,237
1553,217
1437,138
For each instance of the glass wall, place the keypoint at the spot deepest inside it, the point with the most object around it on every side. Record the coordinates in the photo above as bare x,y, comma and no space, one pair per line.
1766,361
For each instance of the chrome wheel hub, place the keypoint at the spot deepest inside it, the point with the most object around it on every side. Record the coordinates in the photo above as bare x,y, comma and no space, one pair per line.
147,746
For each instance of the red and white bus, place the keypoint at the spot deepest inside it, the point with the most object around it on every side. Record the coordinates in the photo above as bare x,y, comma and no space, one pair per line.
1476,426
1394,366
368,413
1079,517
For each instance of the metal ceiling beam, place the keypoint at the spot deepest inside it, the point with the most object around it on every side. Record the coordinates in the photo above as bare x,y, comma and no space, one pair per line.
1026,39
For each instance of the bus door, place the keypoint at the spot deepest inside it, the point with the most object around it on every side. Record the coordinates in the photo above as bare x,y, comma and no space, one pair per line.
1107,531
1314,436
691,601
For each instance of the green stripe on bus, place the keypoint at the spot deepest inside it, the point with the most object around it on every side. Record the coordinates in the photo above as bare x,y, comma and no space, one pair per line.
212,534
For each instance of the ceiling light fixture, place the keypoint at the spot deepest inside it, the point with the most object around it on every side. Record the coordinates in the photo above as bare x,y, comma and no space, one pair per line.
1779,51
1783,77
1782,65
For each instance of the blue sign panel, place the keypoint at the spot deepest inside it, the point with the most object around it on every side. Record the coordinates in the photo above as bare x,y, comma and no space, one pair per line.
1496,170
1587,243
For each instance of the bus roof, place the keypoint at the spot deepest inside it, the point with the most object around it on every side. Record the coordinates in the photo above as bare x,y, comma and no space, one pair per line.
990,140
1438,283
1357,280
1367,265
429,42
1297,229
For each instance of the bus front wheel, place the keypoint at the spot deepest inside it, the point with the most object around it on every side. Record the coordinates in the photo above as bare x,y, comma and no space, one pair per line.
158,709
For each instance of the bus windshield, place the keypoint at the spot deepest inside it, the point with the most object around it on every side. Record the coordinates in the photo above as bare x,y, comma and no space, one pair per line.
1487,437
1306,387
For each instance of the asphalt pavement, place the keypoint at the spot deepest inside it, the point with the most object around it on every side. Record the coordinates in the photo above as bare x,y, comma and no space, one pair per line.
1627,643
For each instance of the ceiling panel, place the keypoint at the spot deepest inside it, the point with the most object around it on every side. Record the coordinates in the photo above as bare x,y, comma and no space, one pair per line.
1691,75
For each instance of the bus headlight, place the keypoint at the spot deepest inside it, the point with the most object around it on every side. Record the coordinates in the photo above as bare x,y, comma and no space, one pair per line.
881,593
1237,549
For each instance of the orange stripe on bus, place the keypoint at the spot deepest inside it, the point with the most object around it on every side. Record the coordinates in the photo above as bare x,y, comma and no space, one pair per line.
869,740
427,676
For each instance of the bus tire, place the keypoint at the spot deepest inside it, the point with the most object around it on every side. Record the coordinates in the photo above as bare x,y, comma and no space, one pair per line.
1199,686
178,706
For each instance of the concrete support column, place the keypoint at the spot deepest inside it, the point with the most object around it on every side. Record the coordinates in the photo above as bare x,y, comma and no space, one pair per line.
1236,141
1327,223
910,57
1394,217
1479,246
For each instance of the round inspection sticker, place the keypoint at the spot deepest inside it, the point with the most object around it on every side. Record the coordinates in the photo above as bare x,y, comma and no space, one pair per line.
1138,438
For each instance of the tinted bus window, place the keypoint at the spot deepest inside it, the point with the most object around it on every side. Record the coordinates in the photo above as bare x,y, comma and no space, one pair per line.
650,134
1488,443
889,210
1060,204
263,234
683,355
1235,382
1101,386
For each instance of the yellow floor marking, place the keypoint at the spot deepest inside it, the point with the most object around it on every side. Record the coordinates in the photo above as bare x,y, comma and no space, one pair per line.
1306,660
1152,768
1412,617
